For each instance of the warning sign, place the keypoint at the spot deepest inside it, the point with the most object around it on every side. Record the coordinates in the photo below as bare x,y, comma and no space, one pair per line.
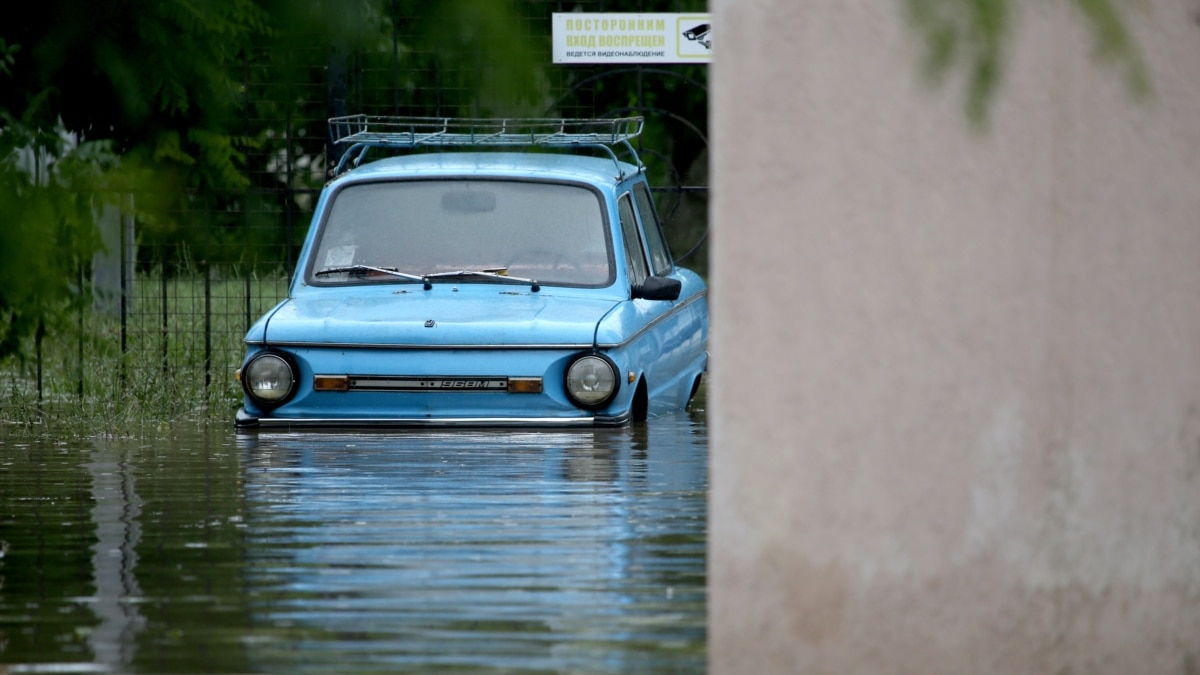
632,38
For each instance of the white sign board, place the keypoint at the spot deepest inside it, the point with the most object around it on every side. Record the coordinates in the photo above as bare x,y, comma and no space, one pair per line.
581,37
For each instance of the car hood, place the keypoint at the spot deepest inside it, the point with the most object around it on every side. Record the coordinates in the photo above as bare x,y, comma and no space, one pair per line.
474,316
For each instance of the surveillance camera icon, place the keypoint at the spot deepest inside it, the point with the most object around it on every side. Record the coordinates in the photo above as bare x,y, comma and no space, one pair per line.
701,33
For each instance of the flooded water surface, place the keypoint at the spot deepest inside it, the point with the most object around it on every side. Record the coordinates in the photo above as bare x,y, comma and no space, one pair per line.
198,550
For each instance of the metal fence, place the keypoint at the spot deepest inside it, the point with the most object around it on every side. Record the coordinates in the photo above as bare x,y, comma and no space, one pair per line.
162,337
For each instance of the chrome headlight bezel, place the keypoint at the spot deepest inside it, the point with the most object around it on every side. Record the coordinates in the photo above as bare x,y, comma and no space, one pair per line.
591,380
283,378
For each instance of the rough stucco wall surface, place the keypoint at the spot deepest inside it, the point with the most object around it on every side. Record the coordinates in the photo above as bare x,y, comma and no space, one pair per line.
955,393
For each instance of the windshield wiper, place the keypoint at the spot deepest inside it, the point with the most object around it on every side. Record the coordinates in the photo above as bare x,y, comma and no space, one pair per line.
497,274
350,269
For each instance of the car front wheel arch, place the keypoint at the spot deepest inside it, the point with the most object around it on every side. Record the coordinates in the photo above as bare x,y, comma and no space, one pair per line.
640,407
695,389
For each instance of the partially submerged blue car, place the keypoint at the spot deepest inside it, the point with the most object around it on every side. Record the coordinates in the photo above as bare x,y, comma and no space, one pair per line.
496,273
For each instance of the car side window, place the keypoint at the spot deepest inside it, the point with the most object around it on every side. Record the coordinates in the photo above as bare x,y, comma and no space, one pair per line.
661,260
634,253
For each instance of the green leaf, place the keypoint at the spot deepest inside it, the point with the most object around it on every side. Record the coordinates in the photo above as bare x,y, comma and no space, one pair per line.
974,34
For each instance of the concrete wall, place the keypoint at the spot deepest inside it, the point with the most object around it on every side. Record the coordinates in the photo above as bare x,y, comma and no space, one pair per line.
955,393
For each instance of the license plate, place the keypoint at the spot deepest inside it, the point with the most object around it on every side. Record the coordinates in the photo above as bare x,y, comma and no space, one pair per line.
464,384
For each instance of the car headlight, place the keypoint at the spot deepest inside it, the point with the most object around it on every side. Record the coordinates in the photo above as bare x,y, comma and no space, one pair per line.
269,379
591,381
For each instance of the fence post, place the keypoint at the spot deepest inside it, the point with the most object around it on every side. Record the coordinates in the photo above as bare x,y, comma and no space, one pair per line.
289,194
163,292
249,292
246,193
37,348
207,327
124,286
79,373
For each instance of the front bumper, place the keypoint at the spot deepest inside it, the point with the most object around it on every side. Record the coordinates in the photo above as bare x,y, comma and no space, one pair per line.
244,421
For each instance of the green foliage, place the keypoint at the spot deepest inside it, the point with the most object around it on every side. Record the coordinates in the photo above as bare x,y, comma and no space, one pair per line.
83,84
8,54
974,34
1113,44
132,71
974,31
48,230
486,48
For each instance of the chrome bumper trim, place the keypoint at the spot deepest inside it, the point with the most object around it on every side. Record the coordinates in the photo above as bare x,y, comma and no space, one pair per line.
404,346
244,421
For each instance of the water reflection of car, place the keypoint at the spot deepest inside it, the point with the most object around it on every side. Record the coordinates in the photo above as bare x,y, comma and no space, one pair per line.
478,549
467,286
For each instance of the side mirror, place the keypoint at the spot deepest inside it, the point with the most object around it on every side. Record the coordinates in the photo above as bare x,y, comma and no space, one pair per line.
658,288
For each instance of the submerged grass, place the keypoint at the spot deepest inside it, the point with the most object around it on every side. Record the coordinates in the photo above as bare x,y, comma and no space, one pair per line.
168,356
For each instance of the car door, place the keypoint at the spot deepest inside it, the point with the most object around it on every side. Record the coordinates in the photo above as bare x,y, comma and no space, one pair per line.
672,340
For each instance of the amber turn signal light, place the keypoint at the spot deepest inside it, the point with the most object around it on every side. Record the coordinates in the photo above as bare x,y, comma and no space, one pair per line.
331,383
524,385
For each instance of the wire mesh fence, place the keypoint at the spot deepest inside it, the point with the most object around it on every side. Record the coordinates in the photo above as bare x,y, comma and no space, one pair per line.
158,331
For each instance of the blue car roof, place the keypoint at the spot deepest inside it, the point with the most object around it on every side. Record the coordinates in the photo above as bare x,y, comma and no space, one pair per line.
547,166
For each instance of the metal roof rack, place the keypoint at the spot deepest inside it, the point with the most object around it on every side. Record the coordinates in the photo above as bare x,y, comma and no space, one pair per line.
364,132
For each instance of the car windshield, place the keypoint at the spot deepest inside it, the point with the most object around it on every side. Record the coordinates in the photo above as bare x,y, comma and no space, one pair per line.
551,232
